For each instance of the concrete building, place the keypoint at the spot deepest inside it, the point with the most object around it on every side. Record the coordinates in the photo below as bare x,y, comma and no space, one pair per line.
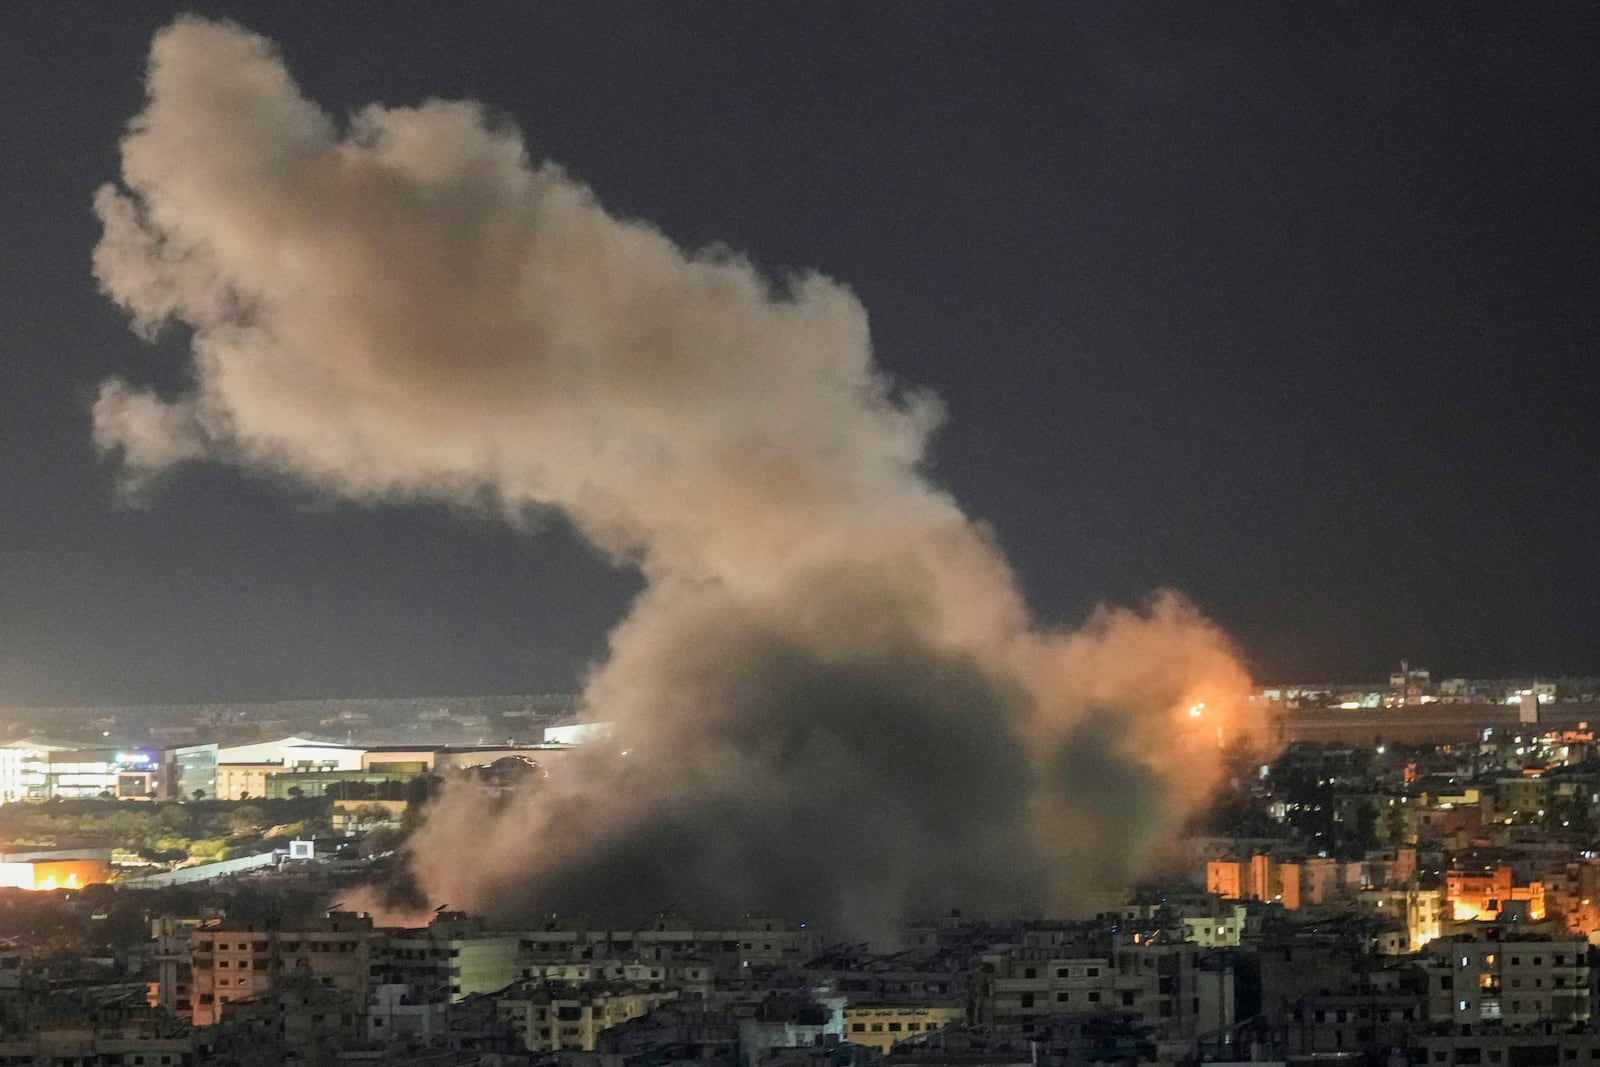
1505,979
1479,890
756,942
1261,877
1177,987
881,1026
557,1018
1492,1046
1421,910
239,781
450,959
233,960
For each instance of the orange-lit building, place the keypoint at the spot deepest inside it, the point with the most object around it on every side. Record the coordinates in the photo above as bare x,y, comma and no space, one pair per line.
53,874
1479,892
1262,877
1225,878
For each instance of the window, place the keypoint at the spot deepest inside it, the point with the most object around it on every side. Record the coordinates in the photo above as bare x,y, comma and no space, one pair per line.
894,1028
857,1028
1027,1000
1062,998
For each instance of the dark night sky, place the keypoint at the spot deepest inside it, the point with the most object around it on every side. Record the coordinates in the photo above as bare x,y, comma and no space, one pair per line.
1290,307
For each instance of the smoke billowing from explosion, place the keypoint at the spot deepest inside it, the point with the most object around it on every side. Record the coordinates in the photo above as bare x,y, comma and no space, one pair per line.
834,701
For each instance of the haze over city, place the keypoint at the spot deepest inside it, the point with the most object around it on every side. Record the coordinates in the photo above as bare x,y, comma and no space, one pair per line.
1288,310
875,535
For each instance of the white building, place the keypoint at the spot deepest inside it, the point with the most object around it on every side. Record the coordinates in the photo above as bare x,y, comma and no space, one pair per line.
25,769
296,753
577,733
83,773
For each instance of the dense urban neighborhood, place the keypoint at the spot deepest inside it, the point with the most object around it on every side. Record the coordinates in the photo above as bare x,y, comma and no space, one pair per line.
179,893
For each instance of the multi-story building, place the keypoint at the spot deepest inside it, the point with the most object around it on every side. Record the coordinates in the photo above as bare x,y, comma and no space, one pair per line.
881,1026
1497,1045
1178,987
1572,891
556,1018
236,960
25,769
1261,877
172,962
82,773
1479,890
450,959
1493,975
189,771
1356,1022
1421,910
758,941
241,781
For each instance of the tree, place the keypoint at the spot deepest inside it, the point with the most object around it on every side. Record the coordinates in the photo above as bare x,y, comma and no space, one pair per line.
199,794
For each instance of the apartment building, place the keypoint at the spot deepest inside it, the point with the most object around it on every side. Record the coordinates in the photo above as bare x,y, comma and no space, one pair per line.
237,960
1493,976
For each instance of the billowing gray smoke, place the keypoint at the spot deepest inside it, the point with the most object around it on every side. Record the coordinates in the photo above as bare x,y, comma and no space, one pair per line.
833,700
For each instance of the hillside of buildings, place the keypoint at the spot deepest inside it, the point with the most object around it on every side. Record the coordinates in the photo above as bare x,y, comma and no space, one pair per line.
1378,901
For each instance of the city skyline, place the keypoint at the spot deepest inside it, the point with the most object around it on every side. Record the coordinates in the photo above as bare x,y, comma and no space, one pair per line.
1284,310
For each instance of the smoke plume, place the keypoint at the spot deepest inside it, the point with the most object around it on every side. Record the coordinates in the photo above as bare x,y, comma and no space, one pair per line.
832,698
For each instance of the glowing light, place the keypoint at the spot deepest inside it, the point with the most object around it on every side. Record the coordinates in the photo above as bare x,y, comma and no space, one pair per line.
1195,710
